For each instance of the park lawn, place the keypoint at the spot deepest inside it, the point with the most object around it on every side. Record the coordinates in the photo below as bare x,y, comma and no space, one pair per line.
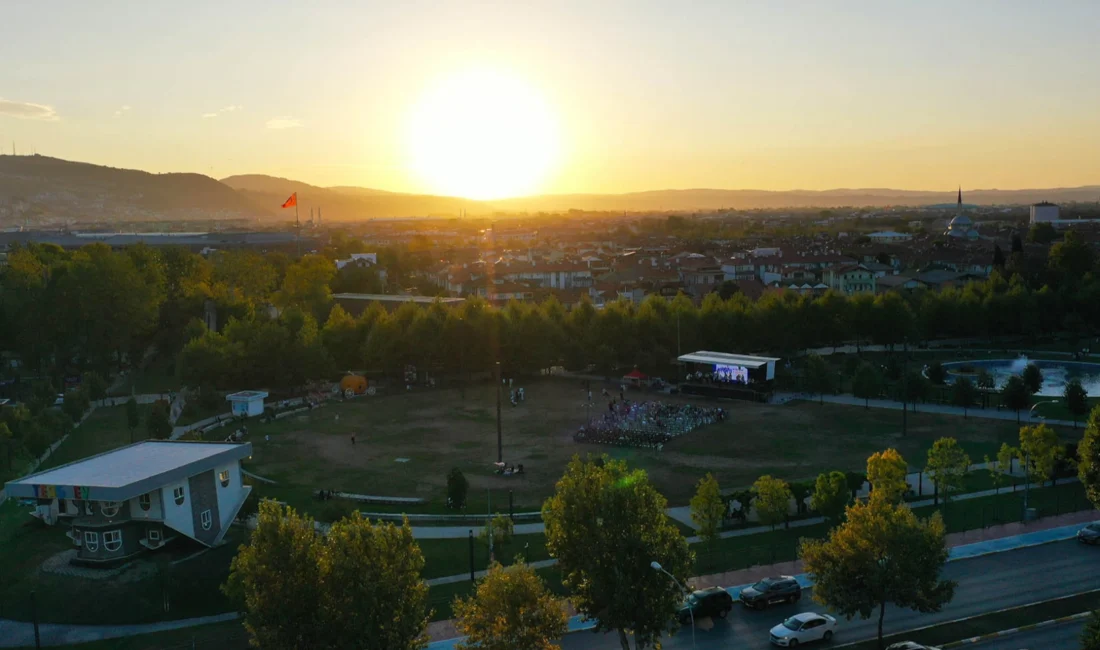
134,596
438,430
448,557
157,377
1058,411
103,430
229,635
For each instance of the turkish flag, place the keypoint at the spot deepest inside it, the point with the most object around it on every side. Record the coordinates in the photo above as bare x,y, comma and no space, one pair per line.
292,201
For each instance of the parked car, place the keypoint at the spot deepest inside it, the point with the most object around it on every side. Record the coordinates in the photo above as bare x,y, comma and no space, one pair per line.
704,603
771,591
911,645
803,628
1089,534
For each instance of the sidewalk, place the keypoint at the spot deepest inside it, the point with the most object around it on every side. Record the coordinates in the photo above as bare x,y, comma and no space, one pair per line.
942,409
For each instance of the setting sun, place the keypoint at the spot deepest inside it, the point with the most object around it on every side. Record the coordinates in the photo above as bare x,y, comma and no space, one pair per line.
482,134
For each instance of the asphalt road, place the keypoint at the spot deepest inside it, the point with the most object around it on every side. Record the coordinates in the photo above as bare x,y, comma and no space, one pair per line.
1053,637
986,584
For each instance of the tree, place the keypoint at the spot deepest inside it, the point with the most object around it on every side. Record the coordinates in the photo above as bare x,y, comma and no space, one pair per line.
76,403
1032,378
855,481
7,442
986,380
1017,243
1040,450
275,579
511,608
1014,395
457,487
963,394
1088,458
373,596
996,473
1090,635
998,257
95,385
867,383
1041,233
1005,455
158,425
799,491
831,495
499,529
708,509
937,374
727,290
881,554
1077,399
606,524
773,500
915,388
818,376
887,471
361,582
947,466
133,417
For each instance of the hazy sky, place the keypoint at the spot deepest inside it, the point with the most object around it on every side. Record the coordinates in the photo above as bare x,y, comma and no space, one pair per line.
647,95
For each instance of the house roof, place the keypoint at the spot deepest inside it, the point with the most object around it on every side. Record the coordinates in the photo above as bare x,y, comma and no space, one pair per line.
129,471
729,359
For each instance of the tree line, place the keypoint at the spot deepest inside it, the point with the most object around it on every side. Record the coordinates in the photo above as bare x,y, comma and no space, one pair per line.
66,312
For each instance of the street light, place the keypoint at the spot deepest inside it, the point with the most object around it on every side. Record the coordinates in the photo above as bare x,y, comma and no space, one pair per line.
1027,457
657,567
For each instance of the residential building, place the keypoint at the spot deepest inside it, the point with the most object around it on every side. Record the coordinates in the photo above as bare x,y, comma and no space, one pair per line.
849,279
140,497
889,237
1044,213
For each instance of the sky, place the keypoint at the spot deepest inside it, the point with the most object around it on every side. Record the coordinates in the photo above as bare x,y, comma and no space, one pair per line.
642,95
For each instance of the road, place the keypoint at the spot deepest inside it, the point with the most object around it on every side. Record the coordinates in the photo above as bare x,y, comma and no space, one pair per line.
986,584
1052,637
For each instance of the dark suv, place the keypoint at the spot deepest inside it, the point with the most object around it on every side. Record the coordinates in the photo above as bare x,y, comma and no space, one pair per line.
771,591
714,601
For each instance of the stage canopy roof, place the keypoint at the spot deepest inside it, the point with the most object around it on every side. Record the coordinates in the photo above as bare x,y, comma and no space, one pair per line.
723,358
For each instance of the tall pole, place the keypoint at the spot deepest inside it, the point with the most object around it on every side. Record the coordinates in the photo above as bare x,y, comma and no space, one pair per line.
500,443
297,228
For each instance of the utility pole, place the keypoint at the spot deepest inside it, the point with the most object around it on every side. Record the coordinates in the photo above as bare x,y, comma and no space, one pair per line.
500,442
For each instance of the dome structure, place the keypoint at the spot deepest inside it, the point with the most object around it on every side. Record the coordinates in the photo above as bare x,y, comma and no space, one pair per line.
961,226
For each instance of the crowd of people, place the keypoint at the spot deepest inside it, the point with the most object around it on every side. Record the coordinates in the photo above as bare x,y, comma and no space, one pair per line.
646,424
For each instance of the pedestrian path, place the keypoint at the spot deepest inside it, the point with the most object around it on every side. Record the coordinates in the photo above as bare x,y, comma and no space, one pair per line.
17,634
942,409
446,580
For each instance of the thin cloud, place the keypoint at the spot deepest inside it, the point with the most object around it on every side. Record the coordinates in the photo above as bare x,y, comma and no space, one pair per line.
28,111
284,122
225,109
125,108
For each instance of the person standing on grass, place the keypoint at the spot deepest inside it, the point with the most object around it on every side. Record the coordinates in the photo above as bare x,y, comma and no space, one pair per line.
353,439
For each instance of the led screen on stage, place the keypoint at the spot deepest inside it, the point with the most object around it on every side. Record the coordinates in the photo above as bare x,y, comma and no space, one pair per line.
731,373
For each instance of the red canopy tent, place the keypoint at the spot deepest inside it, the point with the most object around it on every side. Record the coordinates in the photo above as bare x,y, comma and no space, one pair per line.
635,377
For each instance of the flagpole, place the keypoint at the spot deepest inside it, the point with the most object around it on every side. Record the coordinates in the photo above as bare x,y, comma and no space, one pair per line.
297,228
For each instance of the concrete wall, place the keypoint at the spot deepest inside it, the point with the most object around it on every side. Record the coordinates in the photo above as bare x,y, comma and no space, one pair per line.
178,517
231,496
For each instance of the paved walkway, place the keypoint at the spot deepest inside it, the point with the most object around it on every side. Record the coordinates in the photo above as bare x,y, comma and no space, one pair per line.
943,409
15,634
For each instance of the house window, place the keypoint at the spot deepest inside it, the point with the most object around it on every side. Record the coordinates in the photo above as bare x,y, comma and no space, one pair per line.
206,520
110,508
145,501
91,541
177,494
154,536
223,476
112,540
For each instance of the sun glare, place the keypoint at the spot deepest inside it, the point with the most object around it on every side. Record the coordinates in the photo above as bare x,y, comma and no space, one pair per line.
483,134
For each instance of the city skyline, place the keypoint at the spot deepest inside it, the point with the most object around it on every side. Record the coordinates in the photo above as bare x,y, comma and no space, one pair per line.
609,98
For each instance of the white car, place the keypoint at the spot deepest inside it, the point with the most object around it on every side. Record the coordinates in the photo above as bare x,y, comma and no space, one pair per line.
803,628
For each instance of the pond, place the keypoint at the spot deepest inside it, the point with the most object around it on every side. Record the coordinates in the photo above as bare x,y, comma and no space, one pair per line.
1055,373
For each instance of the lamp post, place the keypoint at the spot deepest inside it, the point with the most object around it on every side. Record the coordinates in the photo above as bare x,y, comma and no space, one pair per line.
1027,456
657,567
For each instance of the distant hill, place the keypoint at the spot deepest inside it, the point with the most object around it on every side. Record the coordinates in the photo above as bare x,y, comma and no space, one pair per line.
39,189
50,189
344,203
706,199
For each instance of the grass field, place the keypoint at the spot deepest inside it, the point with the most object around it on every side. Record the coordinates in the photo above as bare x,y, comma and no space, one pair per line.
438,430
